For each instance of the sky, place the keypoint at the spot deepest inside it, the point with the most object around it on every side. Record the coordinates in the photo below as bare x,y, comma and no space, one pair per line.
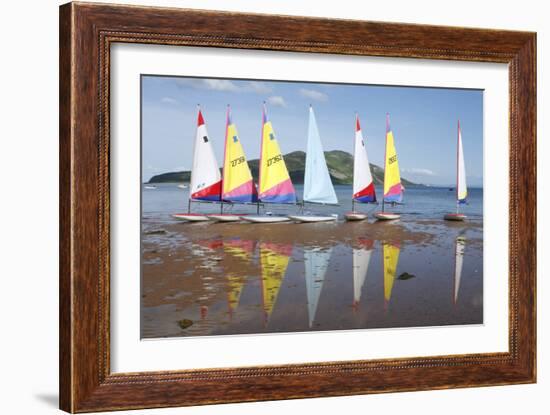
423,121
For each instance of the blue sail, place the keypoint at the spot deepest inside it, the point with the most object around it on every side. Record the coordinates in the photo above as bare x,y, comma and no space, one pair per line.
317,184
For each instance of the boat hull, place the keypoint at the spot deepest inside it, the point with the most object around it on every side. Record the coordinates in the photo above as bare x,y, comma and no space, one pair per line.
265,219
312,218
225,217
386,216
191,217
355,216
456,217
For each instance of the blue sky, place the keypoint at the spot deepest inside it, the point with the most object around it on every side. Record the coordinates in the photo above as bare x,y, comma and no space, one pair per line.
423,121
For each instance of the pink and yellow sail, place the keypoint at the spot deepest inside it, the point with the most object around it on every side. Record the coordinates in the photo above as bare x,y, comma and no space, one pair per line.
275,185
238,185
274,259
393,190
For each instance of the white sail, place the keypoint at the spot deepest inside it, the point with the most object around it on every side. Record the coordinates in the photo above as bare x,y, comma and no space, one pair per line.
459,259
461,187
318,186
205,172
316,264
361,260
363,186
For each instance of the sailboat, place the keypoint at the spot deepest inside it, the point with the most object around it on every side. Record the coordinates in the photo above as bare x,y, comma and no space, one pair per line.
274,259
363,185
361,260
390,259
393,190
461,188
459,259
275,184
206,181
237,183
318,188
316,264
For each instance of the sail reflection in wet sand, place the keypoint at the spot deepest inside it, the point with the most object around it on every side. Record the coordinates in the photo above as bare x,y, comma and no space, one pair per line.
203,280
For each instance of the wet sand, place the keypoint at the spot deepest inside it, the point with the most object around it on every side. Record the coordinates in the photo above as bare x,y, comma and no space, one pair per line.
235,278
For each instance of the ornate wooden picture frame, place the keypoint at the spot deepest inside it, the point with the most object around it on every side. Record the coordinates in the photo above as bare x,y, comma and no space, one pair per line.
87,32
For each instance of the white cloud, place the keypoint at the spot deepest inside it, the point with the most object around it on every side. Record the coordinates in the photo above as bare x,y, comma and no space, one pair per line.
277,101
314,95
258,87
168,100
225,85
419,171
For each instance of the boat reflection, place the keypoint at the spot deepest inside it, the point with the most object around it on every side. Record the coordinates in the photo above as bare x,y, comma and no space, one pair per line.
460,246
361,260
274,260
316,261
390,258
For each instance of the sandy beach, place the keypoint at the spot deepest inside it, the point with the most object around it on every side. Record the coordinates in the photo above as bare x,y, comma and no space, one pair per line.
214,279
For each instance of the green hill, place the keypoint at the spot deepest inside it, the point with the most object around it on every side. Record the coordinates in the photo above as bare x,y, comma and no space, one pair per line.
340,166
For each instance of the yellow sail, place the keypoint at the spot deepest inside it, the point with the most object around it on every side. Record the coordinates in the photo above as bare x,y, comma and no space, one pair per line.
393,191
391,257
274,260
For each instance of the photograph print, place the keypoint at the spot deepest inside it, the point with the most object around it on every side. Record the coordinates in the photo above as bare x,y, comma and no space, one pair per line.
284,206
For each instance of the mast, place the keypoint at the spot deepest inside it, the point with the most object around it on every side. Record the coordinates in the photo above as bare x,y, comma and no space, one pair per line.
457,162
385,166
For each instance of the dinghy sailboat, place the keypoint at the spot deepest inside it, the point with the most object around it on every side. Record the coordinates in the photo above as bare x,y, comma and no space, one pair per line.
237,183
206,181
393,190
461,188
318,188
363,185
275,185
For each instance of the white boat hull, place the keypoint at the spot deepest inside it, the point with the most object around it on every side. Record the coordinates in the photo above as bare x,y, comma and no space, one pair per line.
313,218
456,217
225,218
355,216
191,217
386,216
264,219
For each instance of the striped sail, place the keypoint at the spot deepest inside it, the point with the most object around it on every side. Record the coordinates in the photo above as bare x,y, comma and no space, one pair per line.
275,185
361,260
461,188
391,257
363,185
206,181
316,265
238,185
274,260
459,259
317,183
393,190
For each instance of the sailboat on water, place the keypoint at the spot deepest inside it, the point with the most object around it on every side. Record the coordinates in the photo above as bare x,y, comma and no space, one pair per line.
363,185
237,184
318,188
206,180
275,185
393,189
461,188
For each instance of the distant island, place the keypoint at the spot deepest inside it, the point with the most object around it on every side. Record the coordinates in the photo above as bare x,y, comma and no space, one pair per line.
340,167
